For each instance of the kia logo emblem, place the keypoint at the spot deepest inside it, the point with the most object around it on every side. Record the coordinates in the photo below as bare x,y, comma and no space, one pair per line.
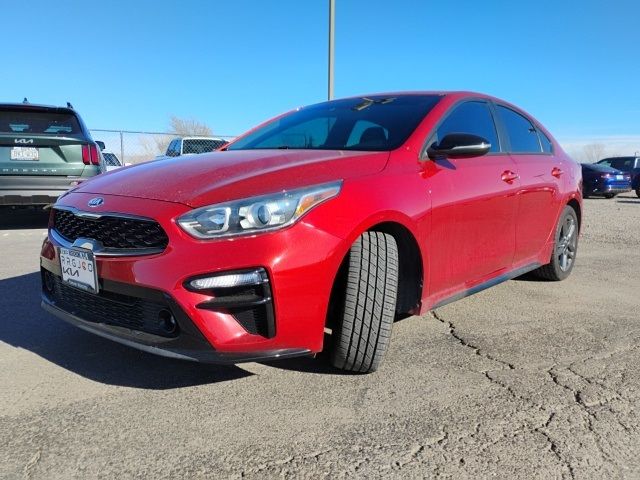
23,140
96,202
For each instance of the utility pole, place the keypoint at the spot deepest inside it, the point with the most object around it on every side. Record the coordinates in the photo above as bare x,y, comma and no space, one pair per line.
332,21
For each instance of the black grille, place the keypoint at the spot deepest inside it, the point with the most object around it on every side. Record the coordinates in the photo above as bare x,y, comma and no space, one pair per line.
115,309
254,319
114,232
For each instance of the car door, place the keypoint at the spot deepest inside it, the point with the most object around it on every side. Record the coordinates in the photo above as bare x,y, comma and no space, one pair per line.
473,206
541,176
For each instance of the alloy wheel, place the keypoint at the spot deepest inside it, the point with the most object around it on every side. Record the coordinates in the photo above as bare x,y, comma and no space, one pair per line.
566,246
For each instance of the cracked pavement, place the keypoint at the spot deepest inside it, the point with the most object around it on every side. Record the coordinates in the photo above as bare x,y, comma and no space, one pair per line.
526,380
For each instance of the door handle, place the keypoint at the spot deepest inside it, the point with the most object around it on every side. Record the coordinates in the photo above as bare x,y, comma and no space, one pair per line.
509,176
556,172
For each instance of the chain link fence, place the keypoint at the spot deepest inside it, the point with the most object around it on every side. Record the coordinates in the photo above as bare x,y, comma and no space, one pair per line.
135,147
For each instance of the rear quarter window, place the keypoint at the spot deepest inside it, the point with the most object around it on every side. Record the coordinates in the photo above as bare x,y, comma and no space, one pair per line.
547,146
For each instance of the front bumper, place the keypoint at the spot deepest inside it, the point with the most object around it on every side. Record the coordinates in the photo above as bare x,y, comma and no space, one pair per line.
156,345
301,263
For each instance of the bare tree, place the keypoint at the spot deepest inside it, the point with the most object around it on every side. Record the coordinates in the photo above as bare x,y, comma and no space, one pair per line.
189,126
593,152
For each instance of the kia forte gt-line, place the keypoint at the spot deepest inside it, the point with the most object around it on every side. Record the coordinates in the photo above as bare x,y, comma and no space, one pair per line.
316,230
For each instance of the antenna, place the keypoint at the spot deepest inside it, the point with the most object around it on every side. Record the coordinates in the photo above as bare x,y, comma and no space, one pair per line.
25,100
69,105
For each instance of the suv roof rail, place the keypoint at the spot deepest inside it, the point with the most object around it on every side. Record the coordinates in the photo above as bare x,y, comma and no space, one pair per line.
25,100
69,105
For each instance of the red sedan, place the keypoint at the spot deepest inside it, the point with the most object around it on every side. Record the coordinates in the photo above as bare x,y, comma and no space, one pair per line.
315,230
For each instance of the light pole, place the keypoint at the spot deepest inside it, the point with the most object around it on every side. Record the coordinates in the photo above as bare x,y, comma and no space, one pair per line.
332,20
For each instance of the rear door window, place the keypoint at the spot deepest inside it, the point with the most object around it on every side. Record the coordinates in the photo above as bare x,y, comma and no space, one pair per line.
470,117
523,136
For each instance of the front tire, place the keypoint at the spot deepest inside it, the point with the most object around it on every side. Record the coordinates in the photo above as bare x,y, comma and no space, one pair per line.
367,310
564,249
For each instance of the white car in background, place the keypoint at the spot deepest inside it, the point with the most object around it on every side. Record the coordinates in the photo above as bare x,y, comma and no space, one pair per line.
111,162
192,146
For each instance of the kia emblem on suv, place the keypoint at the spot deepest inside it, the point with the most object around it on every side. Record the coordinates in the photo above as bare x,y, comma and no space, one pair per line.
96,202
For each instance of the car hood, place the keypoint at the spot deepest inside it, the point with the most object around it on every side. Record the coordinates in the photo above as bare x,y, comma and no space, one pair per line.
221,176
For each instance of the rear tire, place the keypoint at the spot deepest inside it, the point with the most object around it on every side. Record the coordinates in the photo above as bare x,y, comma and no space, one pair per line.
609,195
366,311
564,249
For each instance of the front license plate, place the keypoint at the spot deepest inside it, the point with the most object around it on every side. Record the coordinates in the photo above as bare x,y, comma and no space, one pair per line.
30,154
619,177
79,268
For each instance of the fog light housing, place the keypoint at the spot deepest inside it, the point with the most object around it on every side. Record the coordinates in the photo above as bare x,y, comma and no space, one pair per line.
229,280
244,294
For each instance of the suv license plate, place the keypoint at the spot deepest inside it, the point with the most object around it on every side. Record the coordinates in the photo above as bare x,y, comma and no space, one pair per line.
79,268
619,177
25,153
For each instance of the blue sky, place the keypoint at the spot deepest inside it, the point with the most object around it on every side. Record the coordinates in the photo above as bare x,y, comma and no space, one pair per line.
575,65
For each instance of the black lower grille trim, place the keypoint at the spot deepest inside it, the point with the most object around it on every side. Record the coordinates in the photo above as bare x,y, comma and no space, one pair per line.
112,308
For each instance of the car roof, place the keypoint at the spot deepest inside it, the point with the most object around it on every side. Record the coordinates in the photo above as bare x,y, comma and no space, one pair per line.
440,93
201,138
628,157
36,107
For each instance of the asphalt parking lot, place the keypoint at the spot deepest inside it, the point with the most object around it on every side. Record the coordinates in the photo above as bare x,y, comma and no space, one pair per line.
529,379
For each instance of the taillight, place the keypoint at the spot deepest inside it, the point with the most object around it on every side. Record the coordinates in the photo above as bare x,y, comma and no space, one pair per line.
86,157
90,154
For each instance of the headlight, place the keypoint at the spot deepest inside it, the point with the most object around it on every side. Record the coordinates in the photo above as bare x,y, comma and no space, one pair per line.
257,214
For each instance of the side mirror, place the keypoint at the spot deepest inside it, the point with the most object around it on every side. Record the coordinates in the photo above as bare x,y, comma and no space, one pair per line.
460,145
100,144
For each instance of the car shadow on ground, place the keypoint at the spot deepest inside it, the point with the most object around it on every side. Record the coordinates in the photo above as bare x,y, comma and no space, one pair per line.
318,364
25,325
23,218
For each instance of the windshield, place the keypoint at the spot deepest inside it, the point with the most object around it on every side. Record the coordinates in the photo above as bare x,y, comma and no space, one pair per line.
372,123
33,121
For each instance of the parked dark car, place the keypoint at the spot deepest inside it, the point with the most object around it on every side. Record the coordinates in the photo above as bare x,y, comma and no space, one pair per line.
630,165
603,181
44,151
